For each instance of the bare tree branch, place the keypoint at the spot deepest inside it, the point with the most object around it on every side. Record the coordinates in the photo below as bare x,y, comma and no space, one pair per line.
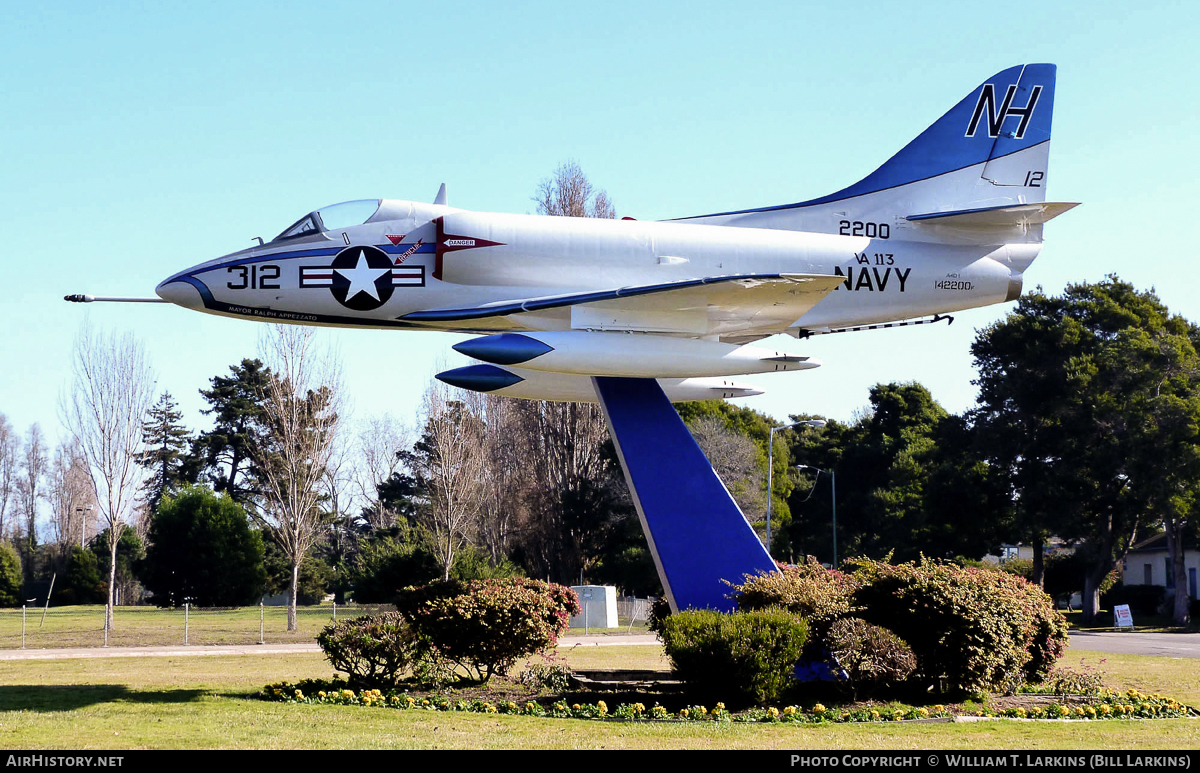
380,440
450,459
111,390
301,401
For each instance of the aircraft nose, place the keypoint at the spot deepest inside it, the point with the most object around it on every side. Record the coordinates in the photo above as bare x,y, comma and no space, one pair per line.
180,291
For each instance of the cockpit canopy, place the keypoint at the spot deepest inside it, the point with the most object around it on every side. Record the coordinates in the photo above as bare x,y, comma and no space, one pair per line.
343,215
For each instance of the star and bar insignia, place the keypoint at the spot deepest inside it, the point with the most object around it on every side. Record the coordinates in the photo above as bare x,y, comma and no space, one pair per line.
362,278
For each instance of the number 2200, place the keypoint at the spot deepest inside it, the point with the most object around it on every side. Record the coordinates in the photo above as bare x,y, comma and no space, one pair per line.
860,228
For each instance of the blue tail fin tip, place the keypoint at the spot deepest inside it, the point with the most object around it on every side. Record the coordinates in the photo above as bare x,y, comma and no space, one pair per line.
1010,111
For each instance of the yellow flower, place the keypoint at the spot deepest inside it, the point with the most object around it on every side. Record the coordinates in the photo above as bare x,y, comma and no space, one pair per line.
789,711
772,712
818,709
602,706
683,713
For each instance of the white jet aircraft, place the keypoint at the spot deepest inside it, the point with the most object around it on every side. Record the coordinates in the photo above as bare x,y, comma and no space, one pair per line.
950,222
635,314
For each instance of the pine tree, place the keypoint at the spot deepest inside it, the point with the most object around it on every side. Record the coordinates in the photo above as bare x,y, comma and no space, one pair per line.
166,441
225,451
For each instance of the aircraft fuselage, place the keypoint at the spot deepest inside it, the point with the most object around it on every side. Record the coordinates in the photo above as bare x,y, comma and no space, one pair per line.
413,257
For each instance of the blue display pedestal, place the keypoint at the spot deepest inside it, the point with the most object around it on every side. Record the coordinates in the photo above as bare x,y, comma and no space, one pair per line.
696,532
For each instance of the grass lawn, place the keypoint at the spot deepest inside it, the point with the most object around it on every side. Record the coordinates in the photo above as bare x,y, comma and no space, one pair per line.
201,702
83,626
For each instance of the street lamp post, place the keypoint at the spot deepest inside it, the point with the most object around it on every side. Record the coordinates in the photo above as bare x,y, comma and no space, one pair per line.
83,525
817,423
833,497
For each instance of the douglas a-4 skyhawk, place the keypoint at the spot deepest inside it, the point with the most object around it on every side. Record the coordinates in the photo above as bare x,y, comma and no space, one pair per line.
950,222
598,310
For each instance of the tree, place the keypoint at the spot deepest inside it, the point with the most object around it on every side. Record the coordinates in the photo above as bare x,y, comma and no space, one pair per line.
909,483
71,495
569,193
226,451
167,440
570,486
1088,403
130,550
11,580
33,469
110,394
448,460
380,441
300,408
548,456
82,583
755,427
391,559
735,458
312,580
203,550
8,468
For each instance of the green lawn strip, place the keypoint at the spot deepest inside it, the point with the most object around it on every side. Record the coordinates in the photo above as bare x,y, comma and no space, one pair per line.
1178,678
222,722
83,626
200,702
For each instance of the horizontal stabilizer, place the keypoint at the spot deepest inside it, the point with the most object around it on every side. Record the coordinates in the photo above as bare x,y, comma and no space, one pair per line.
988,218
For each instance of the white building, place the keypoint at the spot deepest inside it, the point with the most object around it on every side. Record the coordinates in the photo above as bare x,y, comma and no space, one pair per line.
1148,563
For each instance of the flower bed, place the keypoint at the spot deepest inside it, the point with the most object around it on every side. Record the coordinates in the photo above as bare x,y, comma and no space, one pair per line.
1109,704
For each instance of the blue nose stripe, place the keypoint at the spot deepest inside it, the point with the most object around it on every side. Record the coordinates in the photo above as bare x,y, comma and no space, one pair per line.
503,349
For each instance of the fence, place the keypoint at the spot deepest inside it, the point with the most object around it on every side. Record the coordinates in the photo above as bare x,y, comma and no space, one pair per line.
632,610
83,626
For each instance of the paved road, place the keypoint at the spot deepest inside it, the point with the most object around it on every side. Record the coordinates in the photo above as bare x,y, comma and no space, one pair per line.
1175,645
1171,645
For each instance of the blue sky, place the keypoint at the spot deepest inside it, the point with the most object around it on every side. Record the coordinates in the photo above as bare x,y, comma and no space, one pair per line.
141,138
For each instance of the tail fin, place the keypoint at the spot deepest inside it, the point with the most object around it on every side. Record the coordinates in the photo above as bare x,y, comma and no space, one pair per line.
988,152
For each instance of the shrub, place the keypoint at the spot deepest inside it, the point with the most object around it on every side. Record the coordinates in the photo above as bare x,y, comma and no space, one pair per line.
971,630
746,656
546,676
374,651
485,626
872,657
821,596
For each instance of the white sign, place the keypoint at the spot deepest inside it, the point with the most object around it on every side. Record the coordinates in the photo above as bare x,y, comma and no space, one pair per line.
1121,616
